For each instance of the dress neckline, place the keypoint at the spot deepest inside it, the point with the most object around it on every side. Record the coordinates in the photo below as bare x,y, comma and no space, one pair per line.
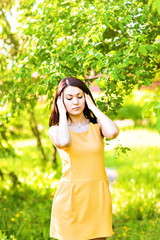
82,132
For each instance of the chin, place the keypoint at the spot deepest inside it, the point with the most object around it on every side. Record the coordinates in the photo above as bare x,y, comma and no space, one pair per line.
78,112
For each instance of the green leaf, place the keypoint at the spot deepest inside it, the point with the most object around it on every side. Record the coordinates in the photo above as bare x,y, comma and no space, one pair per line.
99,36
124,39
99,65
112,86
121,26
155,5
101,83
138,73
149,47
147,82
143,50
114,75
150,2
144,109
94,38
99,56
33,89
147,106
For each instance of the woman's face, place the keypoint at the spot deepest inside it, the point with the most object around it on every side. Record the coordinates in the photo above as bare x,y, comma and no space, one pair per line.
74,100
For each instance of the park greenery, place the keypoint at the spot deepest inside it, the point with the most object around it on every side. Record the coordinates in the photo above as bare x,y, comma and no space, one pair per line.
26,201
120,42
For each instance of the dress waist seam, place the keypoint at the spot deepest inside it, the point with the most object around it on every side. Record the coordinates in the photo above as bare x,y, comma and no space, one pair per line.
83,181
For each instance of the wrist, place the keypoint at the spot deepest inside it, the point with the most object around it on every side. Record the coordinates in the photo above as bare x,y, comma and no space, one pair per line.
93,108
63,120
63,116
62,113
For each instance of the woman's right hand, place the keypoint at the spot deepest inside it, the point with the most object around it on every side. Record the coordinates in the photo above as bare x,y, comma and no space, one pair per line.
60,104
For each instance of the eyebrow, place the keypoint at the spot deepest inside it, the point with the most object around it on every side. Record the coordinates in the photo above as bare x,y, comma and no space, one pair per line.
72,95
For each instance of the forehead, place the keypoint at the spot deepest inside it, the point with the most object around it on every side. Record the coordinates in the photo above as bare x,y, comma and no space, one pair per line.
72,90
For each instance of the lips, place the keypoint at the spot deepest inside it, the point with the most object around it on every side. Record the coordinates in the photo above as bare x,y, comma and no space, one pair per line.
76,108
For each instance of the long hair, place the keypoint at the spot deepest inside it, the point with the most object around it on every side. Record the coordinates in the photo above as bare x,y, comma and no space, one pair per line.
75,82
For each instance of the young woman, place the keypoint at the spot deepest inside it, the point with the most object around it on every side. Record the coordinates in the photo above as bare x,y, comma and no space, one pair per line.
82,207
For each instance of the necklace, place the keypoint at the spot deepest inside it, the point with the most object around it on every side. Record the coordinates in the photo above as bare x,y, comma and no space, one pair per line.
78,125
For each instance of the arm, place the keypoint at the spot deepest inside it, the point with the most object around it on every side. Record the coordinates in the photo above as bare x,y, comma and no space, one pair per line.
108,128
60,134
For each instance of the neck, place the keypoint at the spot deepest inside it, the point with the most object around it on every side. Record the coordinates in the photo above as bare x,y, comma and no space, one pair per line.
77,120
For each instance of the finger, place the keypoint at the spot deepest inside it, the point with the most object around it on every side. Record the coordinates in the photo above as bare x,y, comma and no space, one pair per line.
87,97
58,99
61,95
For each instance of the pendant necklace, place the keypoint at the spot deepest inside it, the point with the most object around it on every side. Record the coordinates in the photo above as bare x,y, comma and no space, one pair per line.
78,126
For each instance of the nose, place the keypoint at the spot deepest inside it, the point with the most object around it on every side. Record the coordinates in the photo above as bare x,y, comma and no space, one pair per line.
75,100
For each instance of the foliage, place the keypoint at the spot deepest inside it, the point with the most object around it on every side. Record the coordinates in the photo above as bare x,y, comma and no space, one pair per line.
141,106
8,53
118,39
119,149
155,5
31,197
153,104
130,111
9,46
5,146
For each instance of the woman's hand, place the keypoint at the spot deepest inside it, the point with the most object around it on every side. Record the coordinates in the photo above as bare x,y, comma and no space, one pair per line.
60,104
89,101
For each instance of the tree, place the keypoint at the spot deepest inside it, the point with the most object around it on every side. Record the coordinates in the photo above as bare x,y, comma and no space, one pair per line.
10,49
118,39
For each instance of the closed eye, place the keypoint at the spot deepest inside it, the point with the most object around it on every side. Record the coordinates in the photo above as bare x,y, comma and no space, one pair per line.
71,98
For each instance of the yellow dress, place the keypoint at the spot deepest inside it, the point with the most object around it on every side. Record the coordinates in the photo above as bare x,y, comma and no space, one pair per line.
82,206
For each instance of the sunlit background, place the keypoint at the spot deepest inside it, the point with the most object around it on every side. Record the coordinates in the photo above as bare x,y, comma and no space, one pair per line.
122,72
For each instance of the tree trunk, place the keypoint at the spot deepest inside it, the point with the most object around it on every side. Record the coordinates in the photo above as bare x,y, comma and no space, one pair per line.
54,155
34,128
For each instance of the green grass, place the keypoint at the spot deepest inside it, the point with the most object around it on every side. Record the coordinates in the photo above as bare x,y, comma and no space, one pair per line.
25,209
136,194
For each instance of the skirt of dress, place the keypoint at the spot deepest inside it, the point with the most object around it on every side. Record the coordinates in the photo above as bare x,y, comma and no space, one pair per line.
81,210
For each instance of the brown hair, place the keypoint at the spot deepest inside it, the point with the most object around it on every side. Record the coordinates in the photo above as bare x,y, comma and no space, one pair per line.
75,82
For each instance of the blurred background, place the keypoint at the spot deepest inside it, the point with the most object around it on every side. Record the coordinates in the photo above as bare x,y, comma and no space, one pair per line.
114,46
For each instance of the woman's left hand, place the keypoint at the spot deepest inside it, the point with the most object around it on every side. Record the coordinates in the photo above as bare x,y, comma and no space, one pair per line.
89,101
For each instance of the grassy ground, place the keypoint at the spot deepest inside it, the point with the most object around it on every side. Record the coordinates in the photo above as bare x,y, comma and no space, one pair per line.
25,208
135,195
